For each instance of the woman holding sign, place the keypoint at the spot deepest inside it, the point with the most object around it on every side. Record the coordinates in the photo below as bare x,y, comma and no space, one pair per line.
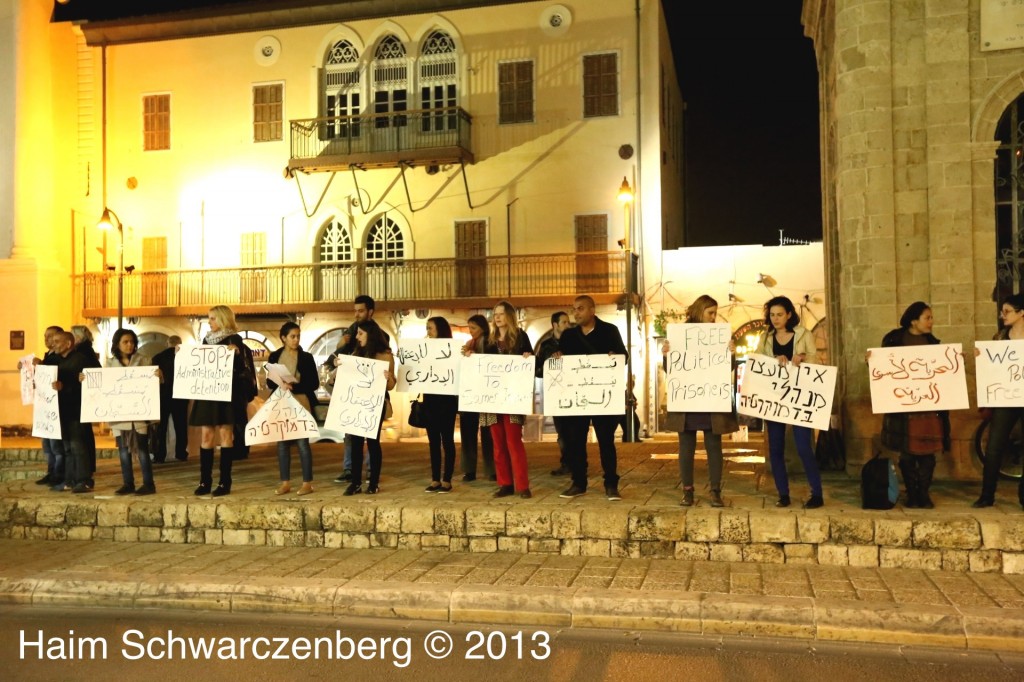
789,342
301,366
713,424
370,343
216,418
507,429
469,422
131,435
441,411
917,436
1003,418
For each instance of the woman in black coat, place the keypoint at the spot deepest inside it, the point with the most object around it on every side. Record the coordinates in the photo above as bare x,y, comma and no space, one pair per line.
441,410
302,366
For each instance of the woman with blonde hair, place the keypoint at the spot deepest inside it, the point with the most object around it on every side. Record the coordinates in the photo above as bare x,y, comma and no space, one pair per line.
507,429
217,418
714,424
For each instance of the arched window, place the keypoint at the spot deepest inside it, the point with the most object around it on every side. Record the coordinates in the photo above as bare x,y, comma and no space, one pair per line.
1009,190
341,89
335,243
385,243
390,72
437,73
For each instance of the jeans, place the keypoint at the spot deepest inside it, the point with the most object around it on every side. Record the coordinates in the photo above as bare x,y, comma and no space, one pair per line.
76,457
777,455
469,426
125,441
688,448
54,450
284,459
604,427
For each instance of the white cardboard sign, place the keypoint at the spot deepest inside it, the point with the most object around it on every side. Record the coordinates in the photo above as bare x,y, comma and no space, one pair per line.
497,384
27,371
121,394
204,373
357,402
428,366
585,385
699,368
282,417
999,370
801,396
917,378
45,408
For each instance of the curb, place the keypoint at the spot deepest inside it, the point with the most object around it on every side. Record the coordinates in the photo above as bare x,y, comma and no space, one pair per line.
798,618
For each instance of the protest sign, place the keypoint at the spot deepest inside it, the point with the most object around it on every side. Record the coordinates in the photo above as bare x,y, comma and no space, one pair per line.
498,384
917,378
280,418
1000,373
45,408
699,365
428,366
787,393
120,394
27,369
357,403
204,373
585,385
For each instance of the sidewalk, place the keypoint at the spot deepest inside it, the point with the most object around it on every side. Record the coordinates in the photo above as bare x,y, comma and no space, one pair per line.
909,607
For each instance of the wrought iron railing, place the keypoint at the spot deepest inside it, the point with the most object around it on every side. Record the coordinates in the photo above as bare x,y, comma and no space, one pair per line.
365,135
408,282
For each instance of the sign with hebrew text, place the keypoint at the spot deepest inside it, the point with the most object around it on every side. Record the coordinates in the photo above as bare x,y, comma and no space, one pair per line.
280,418
498,384
357,403
120,394
799,395
917,378
428,366
585,385
699,366
45,409
999,370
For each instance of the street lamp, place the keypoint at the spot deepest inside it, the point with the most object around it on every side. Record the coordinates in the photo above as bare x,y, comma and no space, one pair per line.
626,197
107,222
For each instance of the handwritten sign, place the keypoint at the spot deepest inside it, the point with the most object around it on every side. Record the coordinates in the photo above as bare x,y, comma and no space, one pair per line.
917,378
27,369
45,409
498,384
357,403
280,418
204,373
792,395
699,368
121,394
585,384
428,366
1000,373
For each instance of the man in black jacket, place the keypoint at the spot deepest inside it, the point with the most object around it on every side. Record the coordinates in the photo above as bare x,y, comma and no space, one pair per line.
591,336
171,409
78,476
547,347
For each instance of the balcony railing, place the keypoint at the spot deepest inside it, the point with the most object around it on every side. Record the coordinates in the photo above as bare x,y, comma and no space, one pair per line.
470,282
425,136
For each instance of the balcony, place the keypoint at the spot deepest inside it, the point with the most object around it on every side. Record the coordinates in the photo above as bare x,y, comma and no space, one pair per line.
424,137
528,280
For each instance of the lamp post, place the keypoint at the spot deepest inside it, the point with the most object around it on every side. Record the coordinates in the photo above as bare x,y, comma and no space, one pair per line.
626,197
107,221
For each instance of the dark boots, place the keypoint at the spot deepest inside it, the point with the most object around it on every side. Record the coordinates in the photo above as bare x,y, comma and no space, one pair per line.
918,471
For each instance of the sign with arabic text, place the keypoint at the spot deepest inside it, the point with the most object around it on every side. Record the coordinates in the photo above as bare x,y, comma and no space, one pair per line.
120,394
498,384
428,366
699,368
27,369
280,418
45,408
585,385
357,403
999,370
917,378
800,395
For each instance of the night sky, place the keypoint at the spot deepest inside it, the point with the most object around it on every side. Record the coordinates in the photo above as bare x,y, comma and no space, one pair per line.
750,84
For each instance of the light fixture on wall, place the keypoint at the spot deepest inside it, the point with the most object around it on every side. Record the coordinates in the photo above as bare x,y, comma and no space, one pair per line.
109,220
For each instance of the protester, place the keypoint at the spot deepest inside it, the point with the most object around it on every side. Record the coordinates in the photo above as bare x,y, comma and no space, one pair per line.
131,437
440,410
172,410
469,422
302,367
372,343
547,346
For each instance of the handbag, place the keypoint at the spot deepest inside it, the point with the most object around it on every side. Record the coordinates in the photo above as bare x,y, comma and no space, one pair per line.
417,414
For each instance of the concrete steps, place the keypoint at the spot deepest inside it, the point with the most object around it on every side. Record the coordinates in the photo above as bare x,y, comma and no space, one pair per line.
648,523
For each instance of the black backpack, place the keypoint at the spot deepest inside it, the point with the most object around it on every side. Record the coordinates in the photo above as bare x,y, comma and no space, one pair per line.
878,486
830,451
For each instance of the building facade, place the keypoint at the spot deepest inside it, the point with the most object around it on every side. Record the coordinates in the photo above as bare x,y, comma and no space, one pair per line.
285,159
920,104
